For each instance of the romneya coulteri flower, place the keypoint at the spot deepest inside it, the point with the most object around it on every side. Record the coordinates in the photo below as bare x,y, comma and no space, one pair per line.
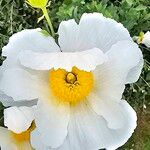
78,82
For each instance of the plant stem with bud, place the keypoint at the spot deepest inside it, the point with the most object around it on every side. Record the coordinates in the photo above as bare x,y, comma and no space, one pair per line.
48,21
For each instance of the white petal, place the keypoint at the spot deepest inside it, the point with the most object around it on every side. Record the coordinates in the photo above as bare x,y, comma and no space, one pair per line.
18,119
19,84
86,60
36,141
146,39
135,72
89,131
126,56
94,30
51,121
69,35
111,110
9,101
6,100
29,39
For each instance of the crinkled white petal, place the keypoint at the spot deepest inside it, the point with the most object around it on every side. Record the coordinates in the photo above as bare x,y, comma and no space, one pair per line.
89,131
111,110
93,30
146,39
18,119
7,142
126,57
52,121
29,39
86,60
111,76
19,84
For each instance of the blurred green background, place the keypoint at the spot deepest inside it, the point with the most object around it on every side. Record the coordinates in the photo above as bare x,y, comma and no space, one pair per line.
16,15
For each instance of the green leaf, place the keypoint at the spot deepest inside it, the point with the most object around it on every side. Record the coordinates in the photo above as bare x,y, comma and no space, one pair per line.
141,7
130,2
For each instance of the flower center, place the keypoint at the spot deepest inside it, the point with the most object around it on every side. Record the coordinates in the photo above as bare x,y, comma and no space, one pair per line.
24,136
71,87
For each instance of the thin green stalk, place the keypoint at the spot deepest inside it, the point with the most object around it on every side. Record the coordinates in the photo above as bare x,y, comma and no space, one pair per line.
48,21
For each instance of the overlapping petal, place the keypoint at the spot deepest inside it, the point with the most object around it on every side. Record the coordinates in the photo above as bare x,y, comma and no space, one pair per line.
93,30
85,60
111,78
52,121
29,39
87,130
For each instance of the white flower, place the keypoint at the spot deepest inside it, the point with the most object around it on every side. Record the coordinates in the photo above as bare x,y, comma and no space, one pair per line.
144,39
79,84
12,141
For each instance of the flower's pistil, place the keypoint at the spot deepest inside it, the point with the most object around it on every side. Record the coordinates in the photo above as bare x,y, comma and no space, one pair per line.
24,136
71,87
71,78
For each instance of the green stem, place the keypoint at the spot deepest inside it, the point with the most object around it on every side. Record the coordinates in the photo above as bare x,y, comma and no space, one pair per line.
49,21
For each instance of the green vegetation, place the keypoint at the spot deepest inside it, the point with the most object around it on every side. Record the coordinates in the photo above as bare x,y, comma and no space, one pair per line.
16,15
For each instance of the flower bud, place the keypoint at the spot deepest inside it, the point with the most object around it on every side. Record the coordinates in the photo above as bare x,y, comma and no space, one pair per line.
38,3
144,38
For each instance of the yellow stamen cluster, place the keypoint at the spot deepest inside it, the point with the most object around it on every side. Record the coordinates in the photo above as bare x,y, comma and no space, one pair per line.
71,87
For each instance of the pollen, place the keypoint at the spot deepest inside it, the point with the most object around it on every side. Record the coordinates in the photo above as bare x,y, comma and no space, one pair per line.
72,87
24,136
